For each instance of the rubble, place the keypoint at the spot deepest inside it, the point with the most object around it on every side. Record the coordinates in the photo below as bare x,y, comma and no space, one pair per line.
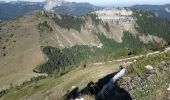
144,83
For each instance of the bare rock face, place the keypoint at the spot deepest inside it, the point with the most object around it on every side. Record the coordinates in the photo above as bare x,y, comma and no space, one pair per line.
119,20
112,15
151,38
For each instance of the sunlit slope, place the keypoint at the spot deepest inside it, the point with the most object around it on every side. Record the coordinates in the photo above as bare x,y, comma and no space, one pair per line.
107,34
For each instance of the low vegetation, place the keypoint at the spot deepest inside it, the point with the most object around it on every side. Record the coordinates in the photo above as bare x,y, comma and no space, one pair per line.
130,46
106,25
143,83
3,92
19,92
139,67
63,60
95,19
45,27
149,24
69,22
59,85
33,80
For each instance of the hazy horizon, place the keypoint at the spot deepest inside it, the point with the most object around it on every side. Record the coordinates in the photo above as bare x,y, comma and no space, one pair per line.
111,2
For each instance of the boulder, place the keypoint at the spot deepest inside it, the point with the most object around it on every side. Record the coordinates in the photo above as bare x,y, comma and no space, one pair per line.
149,67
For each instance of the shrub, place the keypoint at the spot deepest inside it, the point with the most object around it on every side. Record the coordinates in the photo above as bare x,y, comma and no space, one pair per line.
45,27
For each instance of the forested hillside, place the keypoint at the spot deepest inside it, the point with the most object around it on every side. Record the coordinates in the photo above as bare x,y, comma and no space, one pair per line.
149,24
62,60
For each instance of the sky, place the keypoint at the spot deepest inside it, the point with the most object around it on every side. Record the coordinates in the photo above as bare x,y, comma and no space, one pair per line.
114,2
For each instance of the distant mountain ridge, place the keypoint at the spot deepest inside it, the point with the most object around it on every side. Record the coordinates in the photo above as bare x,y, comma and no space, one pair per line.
77,9
159,10
10,10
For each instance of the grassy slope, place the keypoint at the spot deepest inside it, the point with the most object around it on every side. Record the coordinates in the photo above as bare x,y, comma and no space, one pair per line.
149,24
57,87
60,85
148,87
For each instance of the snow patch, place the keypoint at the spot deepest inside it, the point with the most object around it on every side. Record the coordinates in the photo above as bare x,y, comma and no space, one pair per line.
51,4
167,9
